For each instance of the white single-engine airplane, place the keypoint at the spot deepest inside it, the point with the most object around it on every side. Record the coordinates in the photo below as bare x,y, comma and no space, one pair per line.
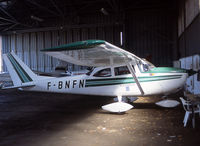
115,72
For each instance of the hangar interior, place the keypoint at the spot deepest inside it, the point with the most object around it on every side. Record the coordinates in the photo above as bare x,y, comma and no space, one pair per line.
159,31
145,28
164,32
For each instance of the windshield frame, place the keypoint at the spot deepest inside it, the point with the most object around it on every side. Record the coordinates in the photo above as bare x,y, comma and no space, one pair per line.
144,65
90,71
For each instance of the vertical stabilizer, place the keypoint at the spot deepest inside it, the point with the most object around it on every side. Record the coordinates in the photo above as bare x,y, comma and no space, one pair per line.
19,72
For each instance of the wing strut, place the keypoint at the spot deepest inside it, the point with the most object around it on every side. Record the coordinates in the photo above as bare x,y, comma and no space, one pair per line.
135,77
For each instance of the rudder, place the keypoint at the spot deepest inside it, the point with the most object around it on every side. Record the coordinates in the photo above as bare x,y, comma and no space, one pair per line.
19,72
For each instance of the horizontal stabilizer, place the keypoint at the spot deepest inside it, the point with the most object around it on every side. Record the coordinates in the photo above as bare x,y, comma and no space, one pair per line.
127,99
117,107
16,87
168,103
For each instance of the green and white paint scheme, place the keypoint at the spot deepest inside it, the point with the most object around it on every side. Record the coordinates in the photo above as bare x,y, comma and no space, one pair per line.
115,72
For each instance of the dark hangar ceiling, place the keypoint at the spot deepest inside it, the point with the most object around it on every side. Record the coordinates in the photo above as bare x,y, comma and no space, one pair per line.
28,14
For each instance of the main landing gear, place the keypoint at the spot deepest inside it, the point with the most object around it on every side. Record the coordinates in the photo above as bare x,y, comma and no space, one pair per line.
117,107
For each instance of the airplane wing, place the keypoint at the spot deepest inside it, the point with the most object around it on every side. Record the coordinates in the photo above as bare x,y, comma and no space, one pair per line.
94,53
91,53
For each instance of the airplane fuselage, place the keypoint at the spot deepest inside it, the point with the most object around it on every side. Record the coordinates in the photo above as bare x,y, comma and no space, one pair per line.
117,73
152,83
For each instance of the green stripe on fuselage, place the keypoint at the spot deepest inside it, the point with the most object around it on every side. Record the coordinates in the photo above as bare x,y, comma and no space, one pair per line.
24,77
128,80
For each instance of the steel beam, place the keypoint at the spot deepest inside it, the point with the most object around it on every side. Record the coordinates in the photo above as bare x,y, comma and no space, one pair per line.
4,11
57,8
41,7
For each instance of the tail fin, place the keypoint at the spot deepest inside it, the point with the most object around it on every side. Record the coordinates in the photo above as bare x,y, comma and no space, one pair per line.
20,73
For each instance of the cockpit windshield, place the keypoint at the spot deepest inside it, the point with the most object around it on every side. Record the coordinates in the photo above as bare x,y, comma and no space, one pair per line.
149,63
144,65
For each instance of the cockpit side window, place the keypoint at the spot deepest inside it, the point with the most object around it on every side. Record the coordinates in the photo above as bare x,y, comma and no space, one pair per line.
122,70
103,73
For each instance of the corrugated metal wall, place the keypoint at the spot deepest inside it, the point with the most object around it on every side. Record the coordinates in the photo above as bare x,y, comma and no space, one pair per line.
189,43
1,64
153,37
27,45
149,35
189,28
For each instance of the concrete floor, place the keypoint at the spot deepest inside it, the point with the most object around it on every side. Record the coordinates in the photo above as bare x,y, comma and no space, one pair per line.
40,119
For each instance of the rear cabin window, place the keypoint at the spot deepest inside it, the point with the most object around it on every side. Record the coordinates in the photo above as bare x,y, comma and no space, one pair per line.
122,70
103,73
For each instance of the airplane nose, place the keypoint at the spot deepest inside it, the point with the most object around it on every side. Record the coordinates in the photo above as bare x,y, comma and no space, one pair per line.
192,72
